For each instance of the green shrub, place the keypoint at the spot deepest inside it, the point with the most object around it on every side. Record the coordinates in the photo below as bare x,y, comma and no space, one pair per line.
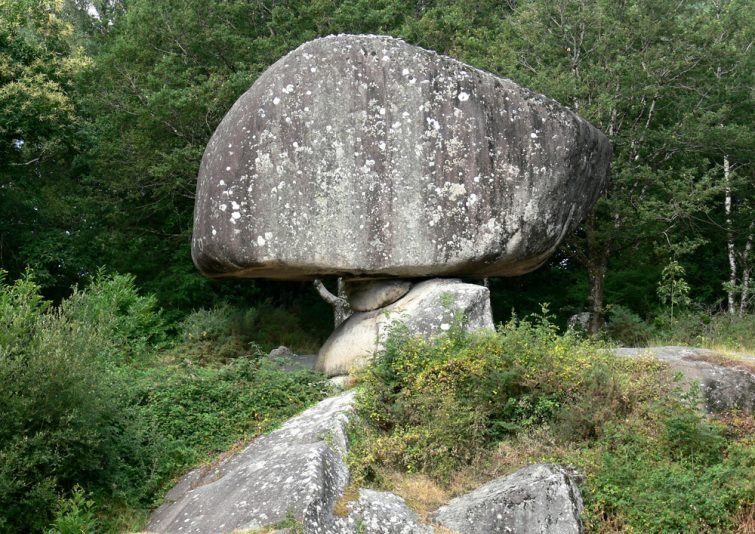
435,405
89,415
218,335
653,462
74,515
215,336
669,475
277,326
700,328
133,323
627,328
203,410
20,307
63,418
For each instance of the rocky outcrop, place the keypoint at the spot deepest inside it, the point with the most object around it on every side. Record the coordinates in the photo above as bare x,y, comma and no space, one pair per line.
360,155
537,499
430,307
725,382
297,470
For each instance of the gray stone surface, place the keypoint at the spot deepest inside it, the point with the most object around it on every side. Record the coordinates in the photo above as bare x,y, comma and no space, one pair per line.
298,469
723,386
537,499
367,156
370,295
429,308
379,512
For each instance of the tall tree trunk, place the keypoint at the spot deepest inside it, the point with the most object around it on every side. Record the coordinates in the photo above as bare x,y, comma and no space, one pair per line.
746,271
596,274
731,290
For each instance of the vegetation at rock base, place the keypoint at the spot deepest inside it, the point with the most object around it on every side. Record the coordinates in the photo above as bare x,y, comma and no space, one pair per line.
113,384
454,408
98,415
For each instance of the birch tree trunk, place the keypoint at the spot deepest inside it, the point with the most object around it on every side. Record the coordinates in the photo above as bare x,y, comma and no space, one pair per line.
731,290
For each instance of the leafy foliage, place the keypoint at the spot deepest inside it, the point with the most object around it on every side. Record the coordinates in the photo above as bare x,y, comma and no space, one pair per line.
87,414
435,405
63,416
652,462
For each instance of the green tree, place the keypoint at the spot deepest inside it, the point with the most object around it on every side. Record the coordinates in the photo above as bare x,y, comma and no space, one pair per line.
635,69
40,209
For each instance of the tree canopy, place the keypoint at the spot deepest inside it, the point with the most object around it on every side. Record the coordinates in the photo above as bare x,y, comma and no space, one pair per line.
107,105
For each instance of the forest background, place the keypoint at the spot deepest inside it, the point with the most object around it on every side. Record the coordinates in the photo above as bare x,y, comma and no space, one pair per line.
106,107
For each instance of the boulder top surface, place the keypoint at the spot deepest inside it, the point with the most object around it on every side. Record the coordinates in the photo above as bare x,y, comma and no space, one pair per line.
364,156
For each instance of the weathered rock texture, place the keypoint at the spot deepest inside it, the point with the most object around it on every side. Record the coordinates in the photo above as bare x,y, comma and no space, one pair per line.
379,512
537,499
366,156
298,469
725,382
430,307
373,294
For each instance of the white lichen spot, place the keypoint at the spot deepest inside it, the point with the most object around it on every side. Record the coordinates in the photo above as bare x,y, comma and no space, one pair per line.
223,207
268,236
463,97
456,190
235,205
236,215
222,182
276,100
227,168
214,232
261,241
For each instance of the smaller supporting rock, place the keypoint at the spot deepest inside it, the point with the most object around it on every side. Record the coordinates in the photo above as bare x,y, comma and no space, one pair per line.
370,295
430,307
538,499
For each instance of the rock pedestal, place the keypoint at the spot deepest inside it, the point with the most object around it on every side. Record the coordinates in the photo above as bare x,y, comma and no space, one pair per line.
428,308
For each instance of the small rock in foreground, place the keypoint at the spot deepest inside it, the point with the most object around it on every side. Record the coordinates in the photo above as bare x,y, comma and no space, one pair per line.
379,512
538,499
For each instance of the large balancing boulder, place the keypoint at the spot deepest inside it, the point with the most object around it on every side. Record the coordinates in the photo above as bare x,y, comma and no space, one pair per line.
360,155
